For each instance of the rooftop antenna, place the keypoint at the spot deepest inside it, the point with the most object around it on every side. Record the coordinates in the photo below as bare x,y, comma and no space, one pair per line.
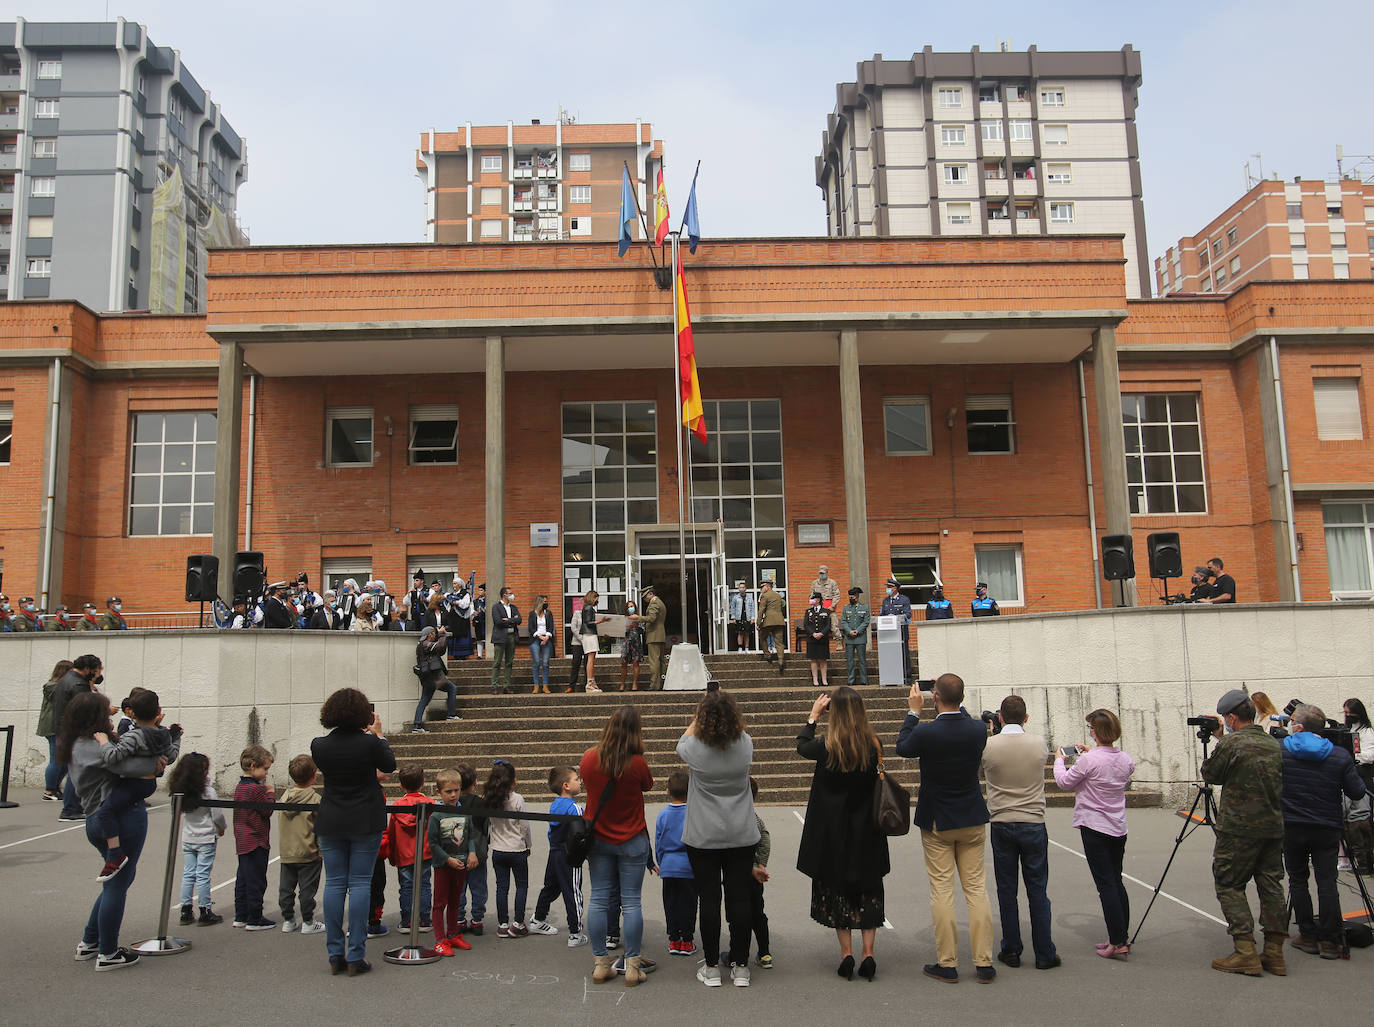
566,117
1003,45
1252,179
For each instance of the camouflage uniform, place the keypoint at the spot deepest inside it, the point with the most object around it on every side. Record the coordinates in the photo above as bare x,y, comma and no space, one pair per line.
1248,764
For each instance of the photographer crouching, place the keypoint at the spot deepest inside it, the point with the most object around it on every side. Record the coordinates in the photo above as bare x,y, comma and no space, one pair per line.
1315,773
1247,763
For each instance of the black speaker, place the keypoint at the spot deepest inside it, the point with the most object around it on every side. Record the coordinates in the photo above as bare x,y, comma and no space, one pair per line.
1166,556
202,578
248,575
1118,557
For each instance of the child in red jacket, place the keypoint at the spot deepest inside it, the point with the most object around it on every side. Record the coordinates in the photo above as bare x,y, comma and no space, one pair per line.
400,839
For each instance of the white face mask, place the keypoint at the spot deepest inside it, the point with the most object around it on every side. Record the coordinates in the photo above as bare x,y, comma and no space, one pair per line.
630,608
118,607
511,599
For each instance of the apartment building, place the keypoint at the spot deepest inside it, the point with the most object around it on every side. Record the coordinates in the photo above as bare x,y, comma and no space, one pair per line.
117,170
989,144
1277,231
535,182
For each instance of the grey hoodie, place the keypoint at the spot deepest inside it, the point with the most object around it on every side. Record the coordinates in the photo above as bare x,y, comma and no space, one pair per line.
93,778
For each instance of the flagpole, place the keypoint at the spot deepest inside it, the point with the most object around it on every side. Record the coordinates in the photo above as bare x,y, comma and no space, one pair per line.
648,238
678,430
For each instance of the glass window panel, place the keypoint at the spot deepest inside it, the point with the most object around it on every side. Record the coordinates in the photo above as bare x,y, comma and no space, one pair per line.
577,516
740,571
1130,409
1154,438
705,480
610,450
143,520
180,428
642,512
147,459
1155,407
350,440
177,459
1347,557
1158,468
608,418
640,450
576,548
1343,513
639,417
1172,454
1136,493
737,513
203,520
768,513
577,419
705,511
1186,438
438,434
997,567
767,447
176,520
205,427
1183,407
1191,499
739,545
770,544
734,449
733,416
610,516
145,489
577,485
610,483
734,480
1160,498
147,427
707,454
641,481
176,488
766,414
767,479
204,488
1134,472
1132,434
205,457
905,424
1187,468
610,547
578,451
988,438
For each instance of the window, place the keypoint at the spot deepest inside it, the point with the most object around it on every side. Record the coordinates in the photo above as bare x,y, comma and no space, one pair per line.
1338,408
989,93
998,212
39,267
1295,209
917,570
1059,174
335,572
960,213
1052,96
999,567
434,434
989,423
1300,272
1018,91
1221,277
1021,131
49,69
952,135
45,147
1340,270
491,162
348,441
1056,135
1348,549
956,174
1230,237
45,109
991,131
1061,213
1163,453
172,474
1235,265
951,96
579,162
1333,209
906,426
491,229
6,430
1337,240
1216,248
993,171
1207,283
579,194
1202,256
580,226
45,185
491,196
40,227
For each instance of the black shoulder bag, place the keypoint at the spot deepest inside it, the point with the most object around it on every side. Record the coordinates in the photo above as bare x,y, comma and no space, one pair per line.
577,846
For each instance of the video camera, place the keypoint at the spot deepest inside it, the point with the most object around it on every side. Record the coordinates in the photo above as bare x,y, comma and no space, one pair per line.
1176,599
1334,732
1206,727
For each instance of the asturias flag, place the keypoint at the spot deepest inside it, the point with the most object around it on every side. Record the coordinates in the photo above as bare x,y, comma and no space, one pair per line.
692,416
628,210
660,211
689,219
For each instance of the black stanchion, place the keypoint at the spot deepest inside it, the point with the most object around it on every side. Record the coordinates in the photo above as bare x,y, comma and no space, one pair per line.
163,945
415,953
5,781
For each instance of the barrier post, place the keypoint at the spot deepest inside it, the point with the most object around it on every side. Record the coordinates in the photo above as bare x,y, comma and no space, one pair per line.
5,781
163,945
415,953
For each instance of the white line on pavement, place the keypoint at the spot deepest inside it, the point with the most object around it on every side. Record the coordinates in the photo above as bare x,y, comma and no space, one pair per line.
1151,887
802,820
62,830
225,884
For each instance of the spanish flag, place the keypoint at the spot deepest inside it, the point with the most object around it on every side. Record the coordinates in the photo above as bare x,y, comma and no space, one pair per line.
692,416
660,211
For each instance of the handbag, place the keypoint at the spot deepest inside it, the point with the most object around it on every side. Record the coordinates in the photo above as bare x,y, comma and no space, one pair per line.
891,804
577,846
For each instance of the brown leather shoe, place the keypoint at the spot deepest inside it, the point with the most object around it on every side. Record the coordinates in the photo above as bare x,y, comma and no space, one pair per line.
1244,960
1305,943
1330,950
1271,959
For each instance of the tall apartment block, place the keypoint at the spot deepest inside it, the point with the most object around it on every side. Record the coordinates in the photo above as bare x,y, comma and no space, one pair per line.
1306,228
116,169
522,183
996,143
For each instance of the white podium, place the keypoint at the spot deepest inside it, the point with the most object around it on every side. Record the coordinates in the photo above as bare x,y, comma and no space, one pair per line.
890,669
687,671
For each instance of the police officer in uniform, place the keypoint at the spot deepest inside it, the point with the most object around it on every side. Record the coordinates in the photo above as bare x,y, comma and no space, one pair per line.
983,604
275,612
938,608
1248,764
899,605
112,619
854,621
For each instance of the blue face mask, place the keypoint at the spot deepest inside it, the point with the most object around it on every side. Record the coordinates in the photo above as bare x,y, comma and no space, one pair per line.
118,607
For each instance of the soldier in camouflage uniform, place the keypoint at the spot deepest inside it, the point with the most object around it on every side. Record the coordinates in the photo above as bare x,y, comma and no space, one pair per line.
1248,764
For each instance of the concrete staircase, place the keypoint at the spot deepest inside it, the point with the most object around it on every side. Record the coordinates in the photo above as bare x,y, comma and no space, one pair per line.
536,732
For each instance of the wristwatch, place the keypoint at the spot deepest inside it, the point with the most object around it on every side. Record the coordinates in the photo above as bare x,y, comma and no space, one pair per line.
810,722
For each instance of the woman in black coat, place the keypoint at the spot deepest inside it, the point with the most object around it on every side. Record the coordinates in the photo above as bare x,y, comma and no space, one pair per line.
842,850
350,821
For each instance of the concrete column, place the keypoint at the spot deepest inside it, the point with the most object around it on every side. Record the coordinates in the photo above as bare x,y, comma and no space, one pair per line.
228,441
1275,461
57,474
1112,446
495,572
855,483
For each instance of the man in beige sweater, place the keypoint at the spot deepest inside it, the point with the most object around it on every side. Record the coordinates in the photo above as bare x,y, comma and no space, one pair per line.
1014,767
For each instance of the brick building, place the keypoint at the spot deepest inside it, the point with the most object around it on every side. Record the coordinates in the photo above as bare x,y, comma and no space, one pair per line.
976,408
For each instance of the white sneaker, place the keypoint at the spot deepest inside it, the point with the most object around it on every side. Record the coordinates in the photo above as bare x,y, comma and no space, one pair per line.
240,923
542,927
118,961
85,952
1343,865
576,939
312,927
709,975
739,976
290,926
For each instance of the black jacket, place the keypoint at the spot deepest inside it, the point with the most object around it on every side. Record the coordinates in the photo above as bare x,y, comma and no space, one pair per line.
1312,788
352,802
840,845
69,685
275,614
950,748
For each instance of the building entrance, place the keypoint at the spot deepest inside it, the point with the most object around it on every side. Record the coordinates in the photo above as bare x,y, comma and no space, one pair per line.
699,626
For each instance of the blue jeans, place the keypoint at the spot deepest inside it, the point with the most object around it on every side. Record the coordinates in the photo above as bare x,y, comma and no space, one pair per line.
539,656
54,772
197,861
348,862
475,888
427,693
71,805
102,928
624,863
406,876
1026,844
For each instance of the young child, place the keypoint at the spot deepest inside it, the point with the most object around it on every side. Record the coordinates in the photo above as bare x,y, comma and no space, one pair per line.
510,848
301,861
559,878
400,831
146,738
679,888
201,829
450,837
761,853
475,887
252,839
375,927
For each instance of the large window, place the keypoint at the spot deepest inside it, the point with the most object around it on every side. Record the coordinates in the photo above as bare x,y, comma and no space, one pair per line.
906,426
999,566
434,434
917,570
43,185
6,431
1164,453
1348,549
45,109
952,135
491,196
951,96
348,437
990,424
172,474
491,162
991,131
1338,408
737,480
334,572
579,162
49,69
579,194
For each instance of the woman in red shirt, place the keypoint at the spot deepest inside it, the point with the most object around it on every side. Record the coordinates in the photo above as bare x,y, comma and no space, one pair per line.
620,847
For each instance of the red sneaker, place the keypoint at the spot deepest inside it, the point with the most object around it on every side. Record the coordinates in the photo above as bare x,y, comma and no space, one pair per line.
112,867
443,948
459,942
674,947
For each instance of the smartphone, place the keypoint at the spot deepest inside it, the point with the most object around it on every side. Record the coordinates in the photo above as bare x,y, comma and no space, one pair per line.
713,686
926,684
372,706
1068,751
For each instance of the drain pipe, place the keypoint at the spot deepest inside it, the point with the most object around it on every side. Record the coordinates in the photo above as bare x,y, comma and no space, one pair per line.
1287,474
252,441
50,502
1092,503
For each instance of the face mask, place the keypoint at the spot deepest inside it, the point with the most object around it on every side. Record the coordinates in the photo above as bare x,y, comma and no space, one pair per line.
853,600
29,607
1352,721
118,607
822,575
815,602
629,609
889,591
98,679
511,599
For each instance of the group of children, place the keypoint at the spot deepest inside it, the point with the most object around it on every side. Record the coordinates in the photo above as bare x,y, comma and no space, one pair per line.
456,850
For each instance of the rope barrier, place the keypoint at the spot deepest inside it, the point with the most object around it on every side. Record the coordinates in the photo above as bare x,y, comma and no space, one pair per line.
5,802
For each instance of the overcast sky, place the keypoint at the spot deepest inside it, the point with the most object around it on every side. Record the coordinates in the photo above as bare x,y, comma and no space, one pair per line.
332,96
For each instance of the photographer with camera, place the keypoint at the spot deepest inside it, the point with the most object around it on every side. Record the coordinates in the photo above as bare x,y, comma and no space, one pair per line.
1248,764
1315,773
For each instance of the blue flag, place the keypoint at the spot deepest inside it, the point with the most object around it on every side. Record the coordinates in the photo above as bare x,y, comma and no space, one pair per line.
689,219
628,210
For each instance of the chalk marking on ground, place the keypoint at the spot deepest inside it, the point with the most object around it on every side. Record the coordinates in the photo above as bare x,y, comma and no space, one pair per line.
62,830
1163,894
887,924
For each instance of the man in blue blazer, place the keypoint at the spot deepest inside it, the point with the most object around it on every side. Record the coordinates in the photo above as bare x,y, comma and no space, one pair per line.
953,819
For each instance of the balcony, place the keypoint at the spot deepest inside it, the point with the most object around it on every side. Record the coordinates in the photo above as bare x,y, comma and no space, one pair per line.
1026,187
6,202
9,161
548,172
523,171
522,205
6,241
9,122
9,82
548,204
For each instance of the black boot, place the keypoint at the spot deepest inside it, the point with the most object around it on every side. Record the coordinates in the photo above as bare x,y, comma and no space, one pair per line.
208,917
187,917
